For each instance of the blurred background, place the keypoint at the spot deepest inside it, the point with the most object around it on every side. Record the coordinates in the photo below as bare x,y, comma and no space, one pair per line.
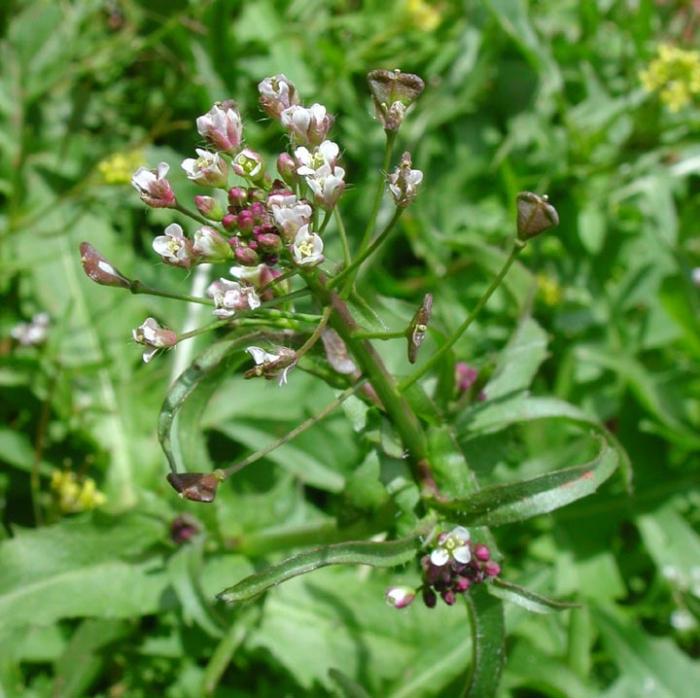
596,103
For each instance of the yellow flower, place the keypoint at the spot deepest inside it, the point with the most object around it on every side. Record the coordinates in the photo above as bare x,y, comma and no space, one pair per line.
675,74
118,168
549,289
423,14
73,495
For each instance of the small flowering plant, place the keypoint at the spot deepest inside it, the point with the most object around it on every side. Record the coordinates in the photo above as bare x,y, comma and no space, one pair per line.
281,274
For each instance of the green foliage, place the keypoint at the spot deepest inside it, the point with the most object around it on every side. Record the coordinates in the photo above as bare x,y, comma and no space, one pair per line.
587,354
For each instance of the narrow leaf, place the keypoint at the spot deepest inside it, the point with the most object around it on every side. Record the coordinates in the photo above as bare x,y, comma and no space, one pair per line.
502,504
488,643
527,599
388,554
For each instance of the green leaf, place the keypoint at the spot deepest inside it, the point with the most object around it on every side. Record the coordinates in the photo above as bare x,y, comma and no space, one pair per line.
178,431
488,643
526,598
388,554
653,666
81,568
347,688
502,504
449,467
519,361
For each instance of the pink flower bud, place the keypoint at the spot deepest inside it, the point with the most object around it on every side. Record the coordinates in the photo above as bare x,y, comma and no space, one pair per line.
99,269
482,553
237,197
249,164
287,168
492,569
246,256
222,126
209,207
246,221
153,187
400,596
208,169
448,596
307,126
183,528
462,584
269,242
277,93
229,221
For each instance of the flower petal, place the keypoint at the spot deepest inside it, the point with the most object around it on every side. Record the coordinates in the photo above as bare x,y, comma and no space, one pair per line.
439,557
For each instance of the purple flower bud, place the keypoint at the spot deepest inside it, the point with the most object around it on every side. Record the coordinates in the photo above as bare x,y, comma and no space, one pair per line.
246,221
249,164
222,126
492,569
429,597
197,487
269,242
229,221
183,528
209,207
277,93
400,597
482,553
462,584
246,256
465,376
448,596
99,269
535,215
153,187
257,209
287,168
237,197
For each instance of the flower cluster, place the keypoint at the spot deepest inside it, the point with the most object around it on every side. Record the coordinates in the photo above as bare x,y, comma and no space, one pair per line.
74,495
33,333
454,566
674,74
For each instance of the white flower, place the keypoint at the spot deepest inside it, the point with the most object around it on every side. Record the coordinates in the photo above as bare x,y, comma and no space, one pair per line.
277,93
327,185
404,182
154,336
270,365
222,126
173,247
682,620
211,245
281,199
230,296
249,164
209,169
452,546
309,162
307,248
307,125
29,334
291,218
153,187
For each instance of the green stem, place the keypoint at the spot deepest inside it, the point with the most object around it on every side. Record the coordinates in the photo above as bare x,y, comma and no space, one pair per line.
309,343
390,138
306,424
343,236
399,334
451,341
352,269
395,404
195,216
201,330
277,280
137,287
326,221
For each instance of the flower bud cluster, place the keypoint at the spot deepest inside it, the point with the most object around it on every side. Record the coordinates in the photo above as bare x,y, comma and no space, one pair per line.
74,495
454,566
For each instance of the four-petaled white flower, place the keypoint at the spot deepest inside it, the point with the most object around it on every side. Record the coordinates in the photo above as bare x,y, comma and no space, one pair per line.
277,93
307,248
270,365
291,217
153,336
209,169
452,546
307,125
230,296
173,247
324,177
153,187
222,126
310,162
